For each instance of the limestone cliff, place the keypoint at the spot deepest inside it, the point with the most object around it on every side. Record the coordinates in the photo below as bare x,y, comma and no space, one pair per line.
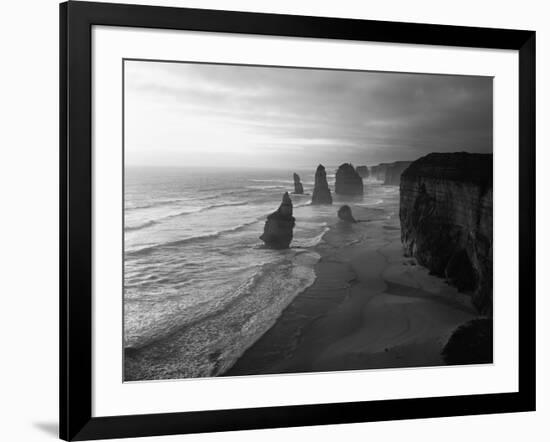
394,171
446,214
378,172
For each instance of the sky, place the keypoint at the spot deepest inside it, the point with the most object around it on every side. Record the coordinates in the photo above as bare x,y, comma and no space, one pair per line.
186,114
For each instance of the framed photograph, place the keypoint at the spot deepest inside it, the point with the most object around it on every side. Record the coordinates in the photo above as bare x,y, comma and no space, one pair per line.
272,220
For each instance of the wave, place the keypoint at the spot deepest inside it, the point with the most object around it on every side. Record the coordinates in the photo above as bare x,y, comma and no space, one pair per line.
312,242
171,244
268,187
149,249
184,213
204,209
169,202
273,181
156,204
216,333
370,203
140,226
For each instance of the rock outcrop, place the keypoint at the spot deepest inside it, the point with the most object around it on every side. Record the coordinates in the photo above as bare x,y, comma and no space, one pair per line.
348,181
279,225
378,172
321,191
446,214
393,172
344,213
389,173
471,343
363,171
298,188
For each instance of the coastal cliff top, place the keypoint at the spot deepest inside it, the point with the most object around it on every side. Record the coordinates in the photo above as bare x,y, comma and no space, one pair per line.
474,168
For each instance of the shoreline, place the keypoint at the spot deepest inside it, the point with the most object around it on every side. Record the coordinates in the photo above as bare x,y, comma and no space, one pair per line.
369,307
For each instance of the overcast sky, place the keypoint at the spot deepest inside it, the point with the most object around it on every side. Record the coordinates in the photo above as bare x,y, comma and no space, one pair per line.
182,114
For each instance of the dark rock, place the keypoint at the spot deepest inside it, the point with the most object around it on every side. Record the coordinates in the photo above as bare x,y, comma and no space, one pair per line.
363,171
321,191
446,214
394,171
298,188
348,181
471,343
344,213
279,225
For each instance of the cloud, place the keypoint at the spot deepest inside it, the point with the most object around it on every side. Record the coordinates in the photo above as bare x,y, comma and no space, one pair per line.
185,112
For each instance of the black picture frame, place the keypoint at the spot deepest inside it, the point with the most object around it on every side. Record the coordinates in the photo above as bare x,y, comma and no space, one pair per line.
76,21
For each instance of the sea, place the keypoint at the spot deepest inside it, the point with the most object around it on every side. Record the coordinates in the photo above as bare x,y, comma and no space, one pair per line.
199,285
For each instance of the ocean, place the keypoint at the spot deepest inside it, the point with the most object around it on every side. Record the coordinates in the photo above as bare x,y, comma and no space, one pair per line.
199,286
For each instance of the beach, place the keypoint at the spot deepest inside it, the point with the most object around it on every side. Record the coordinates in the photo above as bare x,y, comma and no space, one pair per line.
369,307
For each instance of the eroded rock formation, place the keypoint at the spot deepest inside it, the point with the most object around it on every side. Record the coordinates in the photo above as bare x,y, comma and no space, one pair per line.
446,214
471,343
378,172
389,173
348,181
344,213
321,191
393,172
363,171
298,188
279,226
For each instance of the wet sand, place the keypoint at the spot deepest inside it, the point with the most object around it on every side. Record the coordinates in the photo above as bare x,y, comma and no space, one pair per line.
370,307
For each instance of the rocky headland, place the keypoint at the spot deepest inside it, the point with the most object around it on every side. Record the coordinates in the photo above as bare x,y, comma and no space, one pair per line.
446,215
394,171
363,171
279,226
470,343
378,172
389,173
321,191
348,181
298,188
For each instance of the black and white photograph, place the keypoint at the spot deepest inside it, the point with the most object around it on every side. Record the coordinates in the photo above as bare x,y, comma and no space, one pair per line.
286,220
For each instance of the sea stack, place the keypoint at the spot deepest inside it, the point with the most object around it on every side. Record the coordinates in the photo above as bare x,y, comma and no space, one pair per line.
321,191
348,181
298,188
363,171
279,225
446,214
344,213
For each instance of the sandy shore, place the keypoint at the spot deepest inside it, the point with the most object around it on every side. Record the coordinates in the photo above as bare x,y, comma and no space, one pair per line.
370,307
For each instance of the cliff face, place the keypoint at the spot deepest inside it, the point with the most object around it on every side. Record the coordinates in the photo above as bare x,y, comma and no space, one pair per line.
394,171
298,188
389,173
379,172
321,191
279,225
348,181
363,171
446,214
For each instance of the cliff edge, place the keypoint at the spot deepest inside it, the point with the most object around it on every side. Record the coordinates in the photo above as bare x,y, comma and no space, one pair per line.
446,214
